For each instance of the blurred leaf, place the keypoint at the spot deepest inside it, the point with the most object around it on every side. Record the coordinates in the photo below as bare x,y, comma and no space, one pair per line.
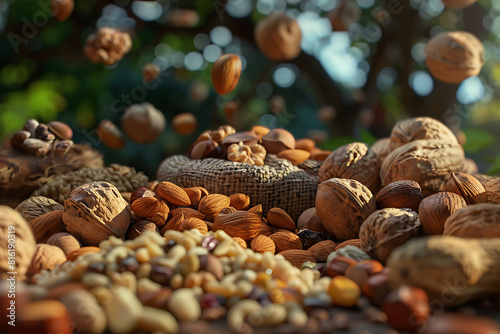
336,142
477,140
367,137
495,167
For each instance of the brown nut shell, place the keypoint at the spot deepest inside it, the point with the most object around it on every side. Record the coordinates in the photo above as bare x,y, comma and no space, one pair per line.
434,210
400,194
474,221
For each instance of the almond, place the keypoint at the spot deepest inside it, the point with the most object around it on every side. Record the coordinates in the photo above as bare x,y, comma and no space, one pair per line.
351,242
172,193
226,73
191,223
297,256
175,223
46,225
227,210
286,240
256,209
239,201
188,213
322,249
212,204
294,156
151,208
318,154
243,224
194,195
305,144
72,256
240,241
261,244
280,219
62,9
265,229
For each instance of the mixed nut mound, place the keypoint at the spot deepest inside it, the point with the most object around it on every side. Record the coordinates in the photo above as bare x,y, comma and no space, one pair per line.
389,232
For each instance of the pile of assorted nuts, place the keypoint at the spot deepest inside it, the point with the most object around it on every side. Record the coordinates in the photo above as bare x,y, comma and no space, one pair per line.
399,229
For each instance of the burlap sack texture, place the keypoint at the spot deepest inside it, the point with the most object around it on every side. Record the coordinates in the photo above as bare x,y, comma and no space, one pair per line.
276,184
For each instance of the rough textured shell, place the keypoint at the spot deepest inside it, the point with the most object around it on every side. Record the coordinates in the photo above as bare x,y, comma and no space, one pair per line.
243,224
459,269
211,205
46,257
280,219
95,211
36,206
435,209
428,162
25,242
419,128
353,161
382,148
47,225
342,206
466,186
386,229
400,194
474,221
262,243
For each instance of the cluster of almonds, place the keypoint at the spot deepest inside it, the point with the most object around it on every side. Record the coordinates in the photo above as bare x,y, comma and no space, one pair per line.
41,139
253,146
107,46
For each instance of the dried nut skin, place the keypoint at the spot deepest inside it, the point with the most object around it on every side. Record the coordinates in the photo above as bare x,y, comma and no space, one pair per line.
463,263
36,206
172,193
278,140
239,201
474,221
434,210
353,161
46,257
428,162
419,128
212,204
143,123
66,241
453,56
278,37
47,225
14,227
280,219
95,211
400,194
297,256
285,240
226,73
466,186
85,311
343,205
386,229
243,224
262,243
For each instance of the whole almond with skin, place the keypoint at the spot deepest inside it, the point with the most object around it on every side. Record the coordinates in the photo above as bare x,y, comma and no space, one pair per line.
265,230
194,223
309,220
47,225
322,249
260,130
294,156
278,140
435,210
256,209
184,124
262,243
350,242
474,221
227,210
342,206
400,194
239,201
319,154
151,208
243,224
428,162
188,213
305,144
62,9
72,256
286,240
172,193
297,256
194,195
226,73
278,218
466,186
175,223
211,205
140,227
110,135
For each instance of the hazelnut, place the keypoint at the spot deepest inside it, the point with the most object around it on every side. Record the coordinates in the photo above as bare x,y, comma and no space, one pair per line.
435,209
206,149
110,135
339,265
60,130
407,308
345,14
140,227
143,123
185,123
46,257
278,140
140,193
309,220
400,194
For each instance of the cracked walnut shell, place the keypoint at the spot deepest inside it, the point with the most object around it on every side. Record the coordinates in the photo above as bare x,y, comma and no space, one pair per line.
95,211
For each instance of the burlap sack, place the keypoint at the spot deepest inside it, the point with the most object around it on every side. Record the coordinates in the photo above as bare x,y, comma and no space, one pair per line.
276,184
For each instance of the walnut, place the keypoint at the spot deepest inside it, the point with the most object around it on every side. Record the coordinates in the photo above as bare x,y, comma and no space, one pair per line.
217,135
386,229
353,161
254,154
95,211
107,46
46,257
36,206
16,241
